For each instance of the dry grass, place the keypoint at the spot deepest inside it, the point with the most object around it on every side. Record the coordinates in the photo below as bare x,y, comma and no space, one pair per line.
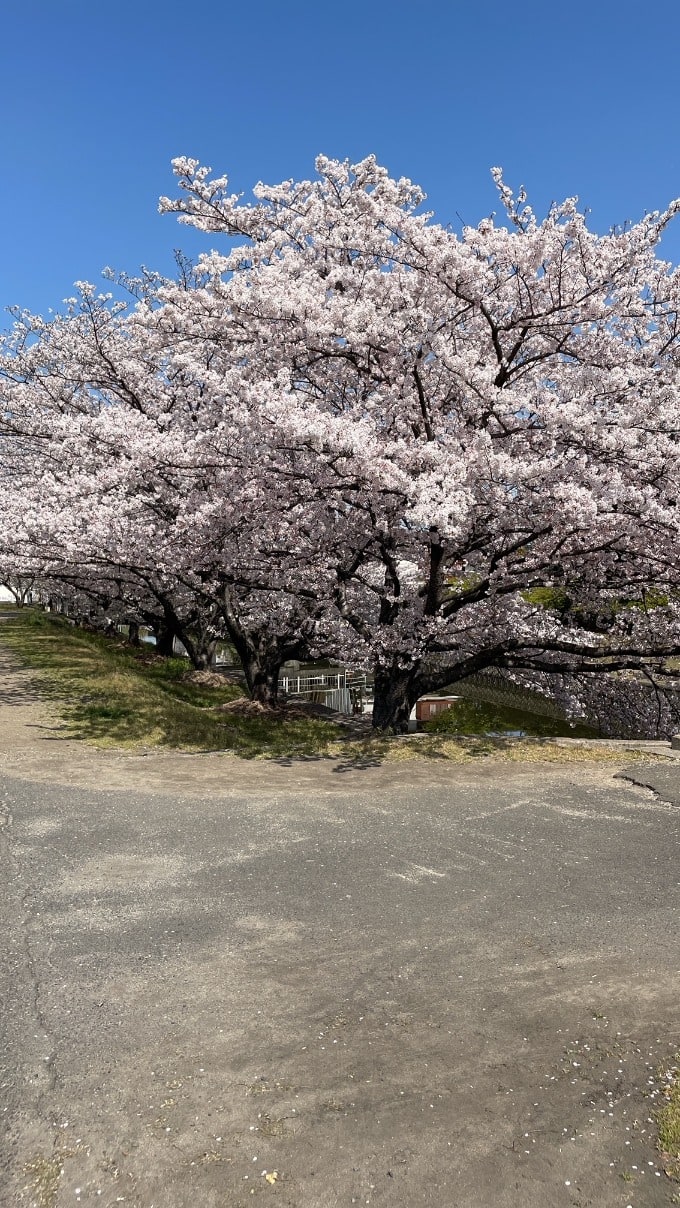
462,750
668,1123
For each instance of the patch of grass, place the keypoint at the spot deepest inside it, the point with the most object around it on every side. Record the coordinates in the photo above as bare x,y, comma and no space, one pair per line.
45,1174
111,695
458,749
668,1123
467,716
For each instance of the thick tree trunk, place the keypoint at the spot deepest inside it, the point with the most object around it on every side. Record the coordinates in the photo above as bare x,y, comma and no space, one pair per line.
261,658
200,649
262,653
395,693
133,633
201,653
262,678
165,637
261,662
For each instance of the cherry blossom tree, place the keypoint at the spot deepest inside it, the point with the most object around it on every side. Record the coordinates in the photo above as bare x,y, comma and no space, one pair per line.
355,432
141,494
490,414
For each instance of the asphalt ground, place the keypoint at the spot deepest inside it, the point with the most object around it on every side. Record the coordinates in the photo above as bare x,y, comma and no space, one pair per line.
386,987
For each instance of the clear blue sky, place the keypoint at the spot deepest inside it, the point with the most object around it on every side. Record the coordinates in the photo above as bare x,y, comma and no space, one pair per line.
97,97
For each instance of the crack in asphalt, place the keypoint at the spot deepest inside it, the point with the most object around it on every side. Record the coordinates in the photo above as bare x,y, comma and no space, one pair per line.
662,782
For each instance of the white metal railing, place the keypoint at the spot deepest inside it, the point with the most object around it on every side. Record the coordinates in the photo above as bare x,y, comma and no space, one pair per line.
340,690
319,681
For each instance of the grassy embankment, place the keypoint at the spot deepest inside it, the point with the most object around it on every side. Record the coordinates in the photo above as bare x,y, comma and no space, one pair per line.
108,694
668,1124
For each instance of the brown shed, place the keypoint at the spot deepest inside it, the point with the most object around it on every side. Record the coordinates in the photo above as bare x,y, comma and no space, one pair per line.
430,706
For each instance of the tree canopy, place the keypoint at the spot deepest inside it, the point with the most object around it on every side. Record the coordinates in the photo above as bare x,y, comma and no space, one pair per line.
351,431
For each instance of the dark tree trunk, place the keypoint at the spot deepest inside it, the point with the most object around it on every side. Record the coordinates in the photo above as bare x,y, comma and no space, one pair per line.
395,693
261,652
201,653
133,633
262,678
194,633
165,637
261,664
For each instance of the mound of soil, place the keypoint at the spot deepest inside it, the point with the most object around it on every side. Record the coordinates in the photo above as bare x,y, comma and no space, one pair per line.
213,679
243,706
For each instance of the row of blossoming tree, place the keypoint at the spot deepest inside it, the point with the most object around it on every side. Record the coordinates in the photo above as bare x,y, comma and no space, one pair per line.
351,432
